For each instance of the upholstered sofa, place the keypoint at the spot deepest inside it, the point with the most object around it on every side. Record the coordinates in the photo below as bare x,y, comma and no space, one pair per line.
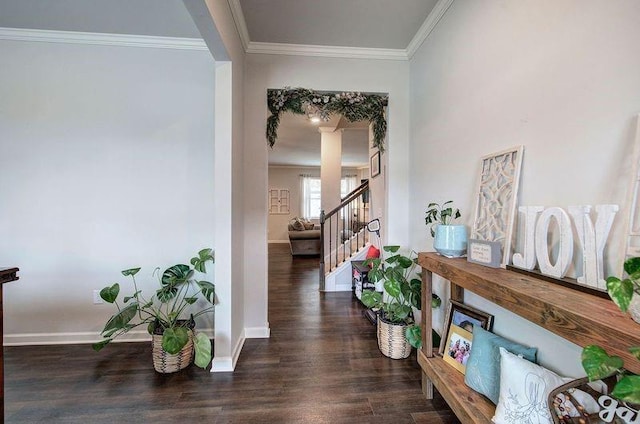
304,242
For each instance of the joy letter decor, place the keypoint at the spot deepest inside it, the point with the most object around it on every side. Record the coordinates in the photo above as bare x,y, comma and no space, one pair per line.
592,240
497,195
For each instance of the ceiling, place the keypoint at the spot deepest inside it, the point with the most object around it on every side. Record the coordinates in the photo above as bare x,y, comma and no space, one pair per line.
382,24
340,27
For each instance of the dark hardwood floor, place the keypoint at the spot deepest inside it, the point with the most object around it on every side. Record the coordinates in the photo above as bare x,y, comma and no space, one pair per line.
321,365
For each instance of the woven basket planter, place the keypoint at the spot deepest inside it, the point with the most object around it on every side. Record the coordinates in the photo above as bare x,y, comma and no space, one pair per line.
391,339
166,363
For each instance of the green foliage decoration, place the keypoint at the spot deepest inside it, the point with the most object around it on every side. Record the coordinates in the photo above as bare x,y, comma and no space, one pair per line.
170,311
595,360
353,106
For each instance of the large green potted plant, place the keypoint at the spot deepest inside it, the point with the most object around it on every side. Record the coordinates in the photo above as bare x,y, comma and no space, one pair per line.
169,314
397,329
448,239
595,360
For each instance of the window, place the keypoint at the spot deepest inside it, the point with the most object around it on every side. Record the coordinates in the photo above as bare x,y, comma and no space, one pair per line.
310,196
311,189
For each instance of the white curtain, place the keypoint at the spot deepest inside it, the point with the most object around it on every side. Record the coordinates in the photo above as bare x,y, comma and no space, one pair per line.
310,196
348,183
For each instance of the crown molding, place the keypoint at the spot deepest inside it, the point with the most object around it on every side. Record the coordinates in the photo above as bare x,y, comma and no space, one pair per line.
241,24
73,37
428,26
326,51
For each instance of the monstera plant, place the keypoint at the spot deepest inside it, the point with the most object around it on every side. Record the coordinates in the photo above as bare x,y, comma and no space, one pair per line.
170,311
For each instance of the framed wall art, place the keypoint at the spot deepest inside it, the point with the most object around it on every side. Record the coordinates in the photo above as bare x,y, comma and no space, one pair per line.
496,199
459,321
375,164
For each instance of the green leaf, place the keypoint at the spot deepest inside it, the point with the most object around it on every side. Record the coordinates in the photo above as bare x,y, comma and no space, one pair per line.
392,288
635,351
404,262
130,271
620,292
176,275
598,364
110,294
166,293
391,249
174,339
202,346
208,290
628,389
375,275
190,300
414,336
435,301
403,312
133,296
121,319
98,346
632,266
371,298
199,262
151,327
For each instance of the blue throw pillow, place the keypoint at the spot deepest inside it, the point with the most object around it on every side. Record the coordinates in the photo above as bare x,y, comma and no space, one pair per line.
483,367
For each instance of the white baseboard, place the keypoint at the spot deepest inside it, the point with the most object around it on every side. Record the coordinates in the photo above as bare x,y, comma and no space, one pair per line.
34,339
257,332
228,363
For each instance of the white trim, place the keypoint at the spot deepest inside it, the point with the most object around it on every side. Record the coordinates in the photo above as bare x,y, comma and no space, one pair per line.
34,339
228,363
428,26
326,51
73,37
277,241
257,332
241,24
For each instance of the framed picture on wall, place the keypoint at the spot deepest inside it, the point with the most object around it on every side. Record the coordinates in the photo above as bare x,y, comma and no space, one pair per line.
375,164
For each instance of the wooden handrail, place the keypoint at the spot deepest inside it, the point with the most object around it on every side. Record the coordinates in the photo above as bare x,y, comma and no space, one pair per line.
358,191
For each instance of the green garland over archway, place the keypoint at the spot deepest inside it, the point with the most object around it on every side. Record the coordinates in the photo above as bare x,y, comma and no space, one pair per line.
354,106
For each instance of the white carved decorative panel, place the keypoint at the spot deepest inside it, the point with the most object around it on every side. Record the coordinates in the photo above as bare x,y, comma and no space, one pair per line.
497,197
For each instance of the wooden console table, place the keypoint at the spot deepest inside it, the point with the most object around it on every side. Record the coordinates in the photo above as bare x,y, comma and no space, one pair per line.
578,317
6,275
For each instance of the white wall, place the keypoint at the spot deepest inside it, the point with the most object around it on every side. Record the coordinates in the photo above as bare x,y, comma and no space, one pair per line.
107,164
561,78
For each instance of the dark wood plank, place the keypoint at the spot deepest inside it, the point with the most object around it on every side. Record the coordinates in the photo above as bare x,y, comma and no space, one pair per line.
578,317
321,365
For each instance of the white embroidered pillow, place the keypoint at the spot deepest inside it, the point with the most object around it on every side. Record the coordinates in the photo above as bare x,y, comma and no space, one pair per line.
524,389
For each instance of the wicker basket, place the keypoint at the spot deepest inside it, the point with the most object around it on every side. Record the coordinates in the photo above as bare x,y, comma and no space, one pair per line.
392,340
166,363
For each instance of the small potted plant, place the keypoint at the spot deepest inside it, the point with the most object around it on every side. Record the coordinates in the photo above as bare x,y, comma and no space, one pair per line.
448,239
397,330
595,360
165,314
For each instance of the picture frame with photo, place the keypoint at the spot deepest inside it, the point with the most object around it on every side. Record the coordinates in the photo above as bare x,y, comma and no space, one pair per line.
458,326
458,348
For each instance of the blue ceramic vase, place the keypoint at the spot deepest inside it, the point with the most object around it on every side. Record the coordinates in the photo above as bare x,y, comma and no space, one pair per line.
451,240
